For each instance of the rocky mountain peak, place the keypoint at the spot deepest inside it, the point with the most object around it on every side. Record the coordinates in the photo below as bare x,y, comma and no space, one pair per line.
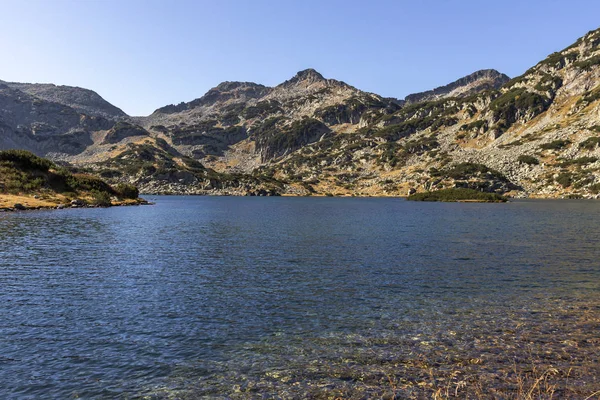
305,78
310,82
308,75
478,81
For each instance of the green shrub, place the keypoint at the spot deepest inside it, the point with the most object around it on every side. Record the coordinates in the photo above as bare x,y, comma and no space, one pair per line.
586,65
468,170
549,83
517,102
392,154
590,143
579,161
590,97
529,160
348,112
422,145
100,199
127,191
555,144
26,160
261,109
564,179
555,60
595,188
230,118
475,126
444,122
274,141
89,183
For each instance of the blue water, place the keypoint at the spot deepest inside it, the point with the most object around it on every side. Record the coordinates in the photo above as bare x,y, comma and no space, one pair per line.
197,293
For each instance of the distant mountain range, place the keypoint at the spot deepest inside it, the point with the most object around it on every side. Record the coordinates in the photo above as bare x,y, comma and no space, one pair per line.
534,135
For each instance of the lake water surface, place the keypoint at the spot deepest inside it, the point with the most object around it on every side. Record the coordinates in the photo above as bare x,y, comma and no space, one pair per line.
299,297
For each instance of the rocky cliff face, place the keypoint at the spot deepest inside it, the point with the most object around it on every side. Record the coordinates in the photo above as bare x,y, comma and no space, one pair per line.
535,135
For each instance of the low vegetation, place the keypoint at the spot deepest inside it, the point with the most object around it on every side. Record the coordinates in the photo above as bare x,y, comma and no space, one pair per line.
517,103
579,161
565,179
275,139
262,109
555,144
590,143
458,194
475,126
464,171
529,160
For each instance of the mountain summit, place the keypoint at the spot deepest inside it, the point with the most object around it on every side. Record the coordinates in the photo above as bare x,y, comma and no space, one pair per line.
307,76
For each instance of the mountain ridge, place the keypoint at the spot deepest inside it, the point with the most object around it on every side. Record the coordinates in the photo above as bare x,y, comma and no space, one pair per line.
532,135
83,100
477,81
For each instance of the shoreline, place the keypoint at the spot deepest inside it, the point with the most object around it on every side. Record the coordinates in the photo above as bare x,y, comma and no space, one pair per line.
506,353
61,206
40,205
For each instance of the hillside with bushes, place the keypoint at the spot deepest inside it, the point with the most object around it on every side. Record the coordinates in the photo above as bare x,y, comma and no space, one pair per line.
28,181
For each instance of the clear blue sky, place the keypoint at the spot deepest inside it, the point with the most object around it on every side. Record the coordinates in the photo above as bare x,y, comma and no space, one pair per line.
144,54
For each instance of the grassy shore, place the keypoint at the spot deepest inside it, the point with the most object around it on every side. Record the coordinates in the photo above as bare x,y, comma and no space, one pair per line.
31,182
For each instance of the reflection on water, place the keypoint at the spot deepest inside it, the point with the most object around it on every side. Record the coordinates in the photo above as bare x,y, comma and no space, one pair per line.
293,297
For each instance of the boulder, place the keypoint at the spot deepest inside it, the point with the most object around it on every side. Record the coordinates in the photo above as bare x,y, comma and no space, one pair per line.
77,203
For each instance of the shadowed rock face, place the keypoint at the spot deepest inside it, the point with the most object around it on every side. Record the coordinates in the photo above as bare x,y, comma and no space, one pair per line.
485,79
123,130
30,122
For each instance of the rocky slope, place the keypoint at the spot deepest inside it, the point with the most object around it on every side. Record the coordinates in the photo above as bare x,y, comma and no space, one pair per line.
32,123
535,135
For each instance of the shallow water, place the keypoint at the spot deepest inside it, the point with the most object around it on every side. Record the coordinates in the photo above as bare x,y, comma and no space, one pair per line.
297,297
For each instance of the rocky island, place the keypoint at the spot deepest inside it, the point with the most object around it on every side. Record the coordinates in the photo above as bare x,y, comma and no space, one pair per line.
458,195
